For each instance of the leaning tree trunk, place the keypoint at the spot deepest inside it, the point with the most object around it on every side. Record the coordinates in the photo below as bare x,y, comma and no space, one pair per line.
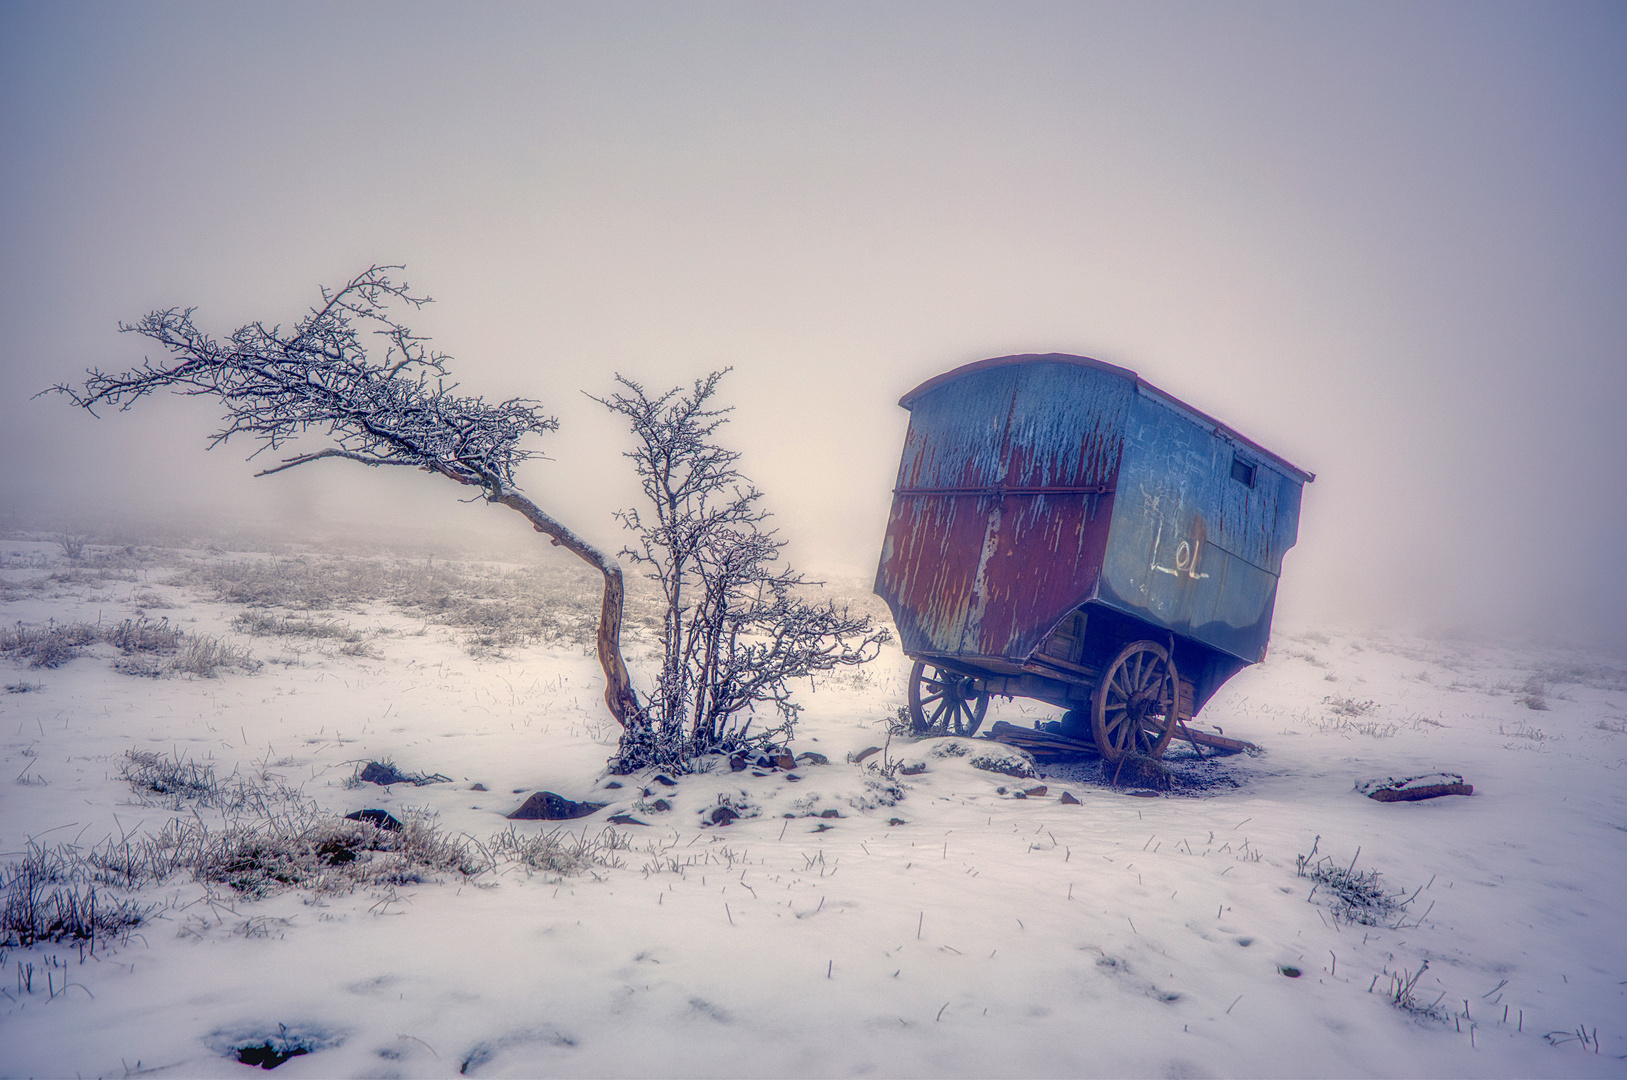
618,690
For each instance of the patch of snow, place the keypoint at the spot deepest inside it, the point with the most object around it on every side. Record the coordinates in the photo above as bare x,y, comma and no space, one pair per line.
934,926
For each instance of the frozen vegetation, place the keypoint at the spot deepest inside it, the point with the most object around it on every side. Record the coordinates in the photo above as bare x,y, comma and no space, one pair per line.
186,730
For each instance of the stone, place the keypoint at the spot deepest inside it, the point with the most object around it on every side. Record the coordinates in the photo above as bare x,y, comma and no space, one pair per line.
737,763
382,819
1035,792
896,821
625,819
382,773
916,769
614,784
832,812
665,781
810,757
546,806
785,762
866,752
477,787
376,773
1068,799
660,806
722,815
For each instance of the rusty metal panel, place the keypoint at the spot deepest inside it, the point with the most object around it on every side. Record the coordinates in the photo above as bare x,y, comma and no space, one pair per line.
1001,514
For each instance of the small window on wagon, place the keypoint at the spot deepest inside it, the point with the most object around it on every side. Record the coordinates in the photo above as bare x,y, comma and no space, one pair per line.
1242,471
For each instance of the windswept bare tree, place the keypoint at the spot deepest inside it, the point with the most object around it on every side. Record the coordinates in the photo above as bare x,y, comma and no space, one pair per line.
738,628
393,406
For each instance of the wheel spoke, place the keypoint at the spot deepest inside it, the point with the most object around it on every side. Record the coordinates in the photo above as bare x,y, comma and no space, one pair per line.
1134,706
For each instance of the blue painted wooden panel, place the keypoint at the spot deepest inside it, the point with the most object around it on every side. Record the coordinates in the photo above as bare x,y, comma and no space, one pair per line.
1192,548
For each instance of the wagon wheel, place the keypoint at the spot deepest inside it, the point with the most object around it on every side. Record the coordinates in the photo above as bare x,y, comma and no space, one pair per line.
945,702
1136,703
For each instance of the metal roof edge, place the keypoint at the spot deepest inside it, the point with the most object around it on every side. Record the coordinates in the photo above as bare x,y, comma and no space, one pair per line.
1005,361
908,400
1305,475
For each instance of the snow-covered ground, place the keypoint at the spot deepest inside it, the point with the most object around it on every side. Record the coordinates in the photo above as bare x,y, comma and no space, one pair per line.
982,935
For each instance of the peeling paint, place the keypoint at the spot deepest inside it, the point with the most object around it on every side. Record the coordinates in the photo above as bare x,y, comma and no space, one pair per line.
1032,486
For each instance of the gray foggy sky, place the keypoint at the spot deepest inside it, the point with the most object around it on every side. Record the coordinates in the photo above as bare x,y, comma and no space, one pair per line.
1387,241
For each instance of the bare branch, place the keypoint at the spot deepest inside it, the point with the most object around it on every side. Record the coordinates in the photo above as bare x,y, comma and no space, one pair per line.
736,630
289,463
277,385
396,410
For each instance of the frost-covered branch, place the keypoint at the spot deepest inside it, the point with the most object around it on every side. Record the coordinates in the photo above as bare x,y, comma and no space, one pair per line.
737,630
391,406
395,409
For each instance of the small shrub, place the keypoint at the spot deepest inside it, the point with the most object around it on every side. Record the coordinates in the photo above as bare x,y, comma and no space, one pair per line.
261,623
1403,995
1522,730
47,646
48,899
150,648
143,635
559,852
1357,896
205,656
307,849
72,545
150,774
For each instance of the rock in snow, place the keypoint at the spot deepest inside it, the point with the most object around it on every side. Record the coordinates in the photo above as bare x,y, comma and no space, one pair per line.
546,806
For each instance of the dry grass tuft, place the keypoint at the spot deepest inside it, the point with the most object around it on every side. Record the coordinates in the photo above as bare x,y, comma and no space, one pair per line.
50,896
149,648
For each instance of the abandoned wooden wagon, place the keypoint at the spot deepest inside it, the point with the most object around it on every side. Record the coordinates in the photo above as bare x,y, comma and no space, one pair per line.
1064,530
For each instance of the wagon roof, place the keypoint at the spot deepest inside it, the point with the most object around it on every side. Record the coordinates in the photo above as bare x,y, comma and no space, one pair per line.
908,400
